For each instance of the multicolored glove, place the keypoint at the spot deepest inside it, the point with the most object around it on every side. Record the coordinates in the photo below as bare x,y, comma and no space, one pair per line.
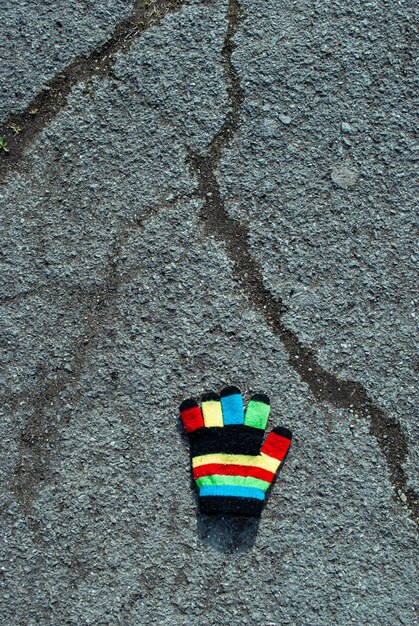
231,467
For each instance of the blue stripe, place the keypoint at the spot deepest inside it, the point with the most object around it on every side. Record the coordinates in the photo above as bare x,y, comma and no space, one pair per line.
233,412
232,490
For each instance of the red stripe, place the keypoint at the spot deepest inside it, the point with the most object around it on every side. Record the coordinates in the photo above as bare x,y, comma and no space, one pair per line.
232,470
276,446
192,419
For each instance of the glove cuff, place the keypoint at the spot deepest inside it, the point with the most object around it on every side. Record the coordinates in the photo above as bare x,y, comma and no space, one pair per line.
249,503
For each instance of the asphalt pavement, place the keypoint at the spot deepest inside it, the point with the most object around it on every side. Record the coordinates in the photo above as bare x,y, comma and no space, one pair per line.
197,194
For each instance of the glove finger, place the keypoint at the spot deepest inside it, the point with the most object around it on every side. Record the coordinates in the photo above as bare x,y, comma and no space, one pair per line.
232,405
191,415
257,411
277,444
211,410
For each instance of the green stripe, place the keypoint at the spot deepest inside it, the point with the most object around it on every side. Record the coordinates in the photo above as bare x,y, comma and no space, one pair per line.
257,414
240,481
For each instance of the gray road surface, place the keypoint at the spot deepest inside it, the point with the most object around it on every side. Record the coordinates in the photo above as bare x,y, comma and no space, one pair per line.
206,193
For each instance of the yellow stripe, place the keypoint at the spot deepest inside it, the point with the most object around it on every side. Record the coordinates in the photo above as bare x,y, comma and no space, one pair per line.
270,461
211,410
263,461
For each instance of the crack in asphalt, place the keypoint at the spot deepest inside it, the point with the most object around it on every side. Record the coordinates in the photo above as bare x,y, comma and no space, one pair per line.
39,434
38,437
53,97
77,290
325,386
17,297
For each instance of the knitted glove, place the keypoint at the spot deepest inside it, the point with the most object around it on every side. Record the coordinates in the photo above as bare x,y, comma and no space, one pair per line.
231,467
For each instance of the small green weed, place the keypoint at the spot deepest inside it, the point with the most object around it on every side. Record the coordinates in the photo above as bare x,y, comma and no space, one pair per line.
3,145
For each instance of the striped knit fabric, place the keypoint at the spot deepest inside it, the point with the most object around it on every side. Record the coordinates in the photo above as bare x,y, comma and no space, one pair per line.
231,465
